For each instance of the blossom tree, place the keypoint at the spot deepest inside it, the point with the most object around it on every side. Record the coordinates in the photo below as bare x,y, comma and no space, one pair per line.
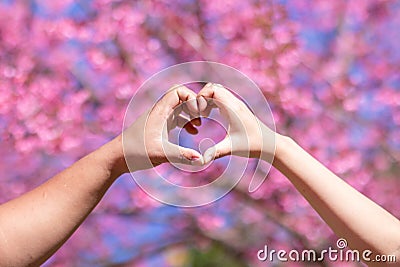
329,70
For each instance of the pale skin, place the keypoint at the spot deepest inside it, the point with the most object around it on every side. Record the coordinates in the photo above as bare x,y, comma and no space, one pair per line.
34,225
350,214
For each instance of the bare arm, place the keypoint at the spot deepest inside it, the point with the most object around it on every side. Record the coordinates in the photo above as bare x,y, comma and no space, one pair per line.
350,214
34,225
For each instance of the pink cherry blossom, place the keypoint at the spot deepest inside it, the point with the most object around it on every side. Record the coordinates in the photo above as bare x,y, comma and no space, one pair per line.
329,70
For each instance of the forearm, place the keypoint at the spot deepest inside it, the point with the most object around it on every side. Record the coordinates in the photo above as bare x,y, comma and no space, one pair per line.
350,214
35,225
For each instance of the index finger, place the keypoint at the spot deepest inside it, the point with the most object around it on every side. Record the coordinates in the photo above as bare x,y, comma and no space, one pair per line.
175,96
215,91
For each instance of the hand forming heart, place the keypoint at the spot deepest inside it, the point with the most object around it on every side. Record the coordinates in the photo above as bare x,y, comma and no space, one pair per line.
247,136
146,140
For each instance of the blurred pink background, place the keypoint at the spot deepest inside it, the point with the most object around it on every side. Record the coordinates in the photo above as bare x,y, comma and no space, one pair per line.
329,69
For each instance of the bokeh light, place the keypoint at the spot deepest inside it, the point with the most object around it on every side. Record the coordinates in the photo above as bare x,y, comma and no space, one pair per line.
329,70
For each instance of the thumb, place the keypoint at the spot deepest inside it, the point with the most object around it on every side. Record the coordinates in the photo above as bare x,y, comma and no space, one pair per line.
220,150
184,155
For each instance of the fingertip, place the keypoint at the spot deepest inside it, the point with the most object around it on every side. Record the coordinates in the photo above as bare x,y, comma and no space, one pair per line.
192,106
208,85
188,97
201,103
185,94
217,85
206,91
209,155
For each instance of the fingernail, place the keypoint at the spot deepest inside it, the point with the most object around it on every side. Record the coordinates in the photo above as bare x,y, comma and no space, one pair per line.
218,85
201,103
208,84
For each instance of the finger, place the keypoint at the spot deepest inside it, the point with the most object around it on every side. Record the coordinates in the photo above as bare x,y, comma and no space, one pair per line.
201,101
229,105
210,92
181,120
189,105
174,97
172,121
206,112
187,108
182,155
186,123
217,92
220,150
205,96
205,105
189,97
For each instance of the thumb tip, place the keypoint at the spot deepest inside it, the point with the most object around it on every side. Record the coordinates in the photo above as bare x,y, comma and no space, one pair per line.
209,155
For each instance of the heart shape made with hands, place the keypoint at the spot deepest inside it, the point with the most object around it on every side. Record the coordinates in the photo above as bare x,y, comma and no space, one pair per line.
149,120
146,142
244,134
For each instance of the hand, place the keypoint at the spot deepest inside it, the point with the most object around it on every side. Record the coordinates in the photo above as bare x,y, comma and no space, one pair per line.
146,141
247,136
